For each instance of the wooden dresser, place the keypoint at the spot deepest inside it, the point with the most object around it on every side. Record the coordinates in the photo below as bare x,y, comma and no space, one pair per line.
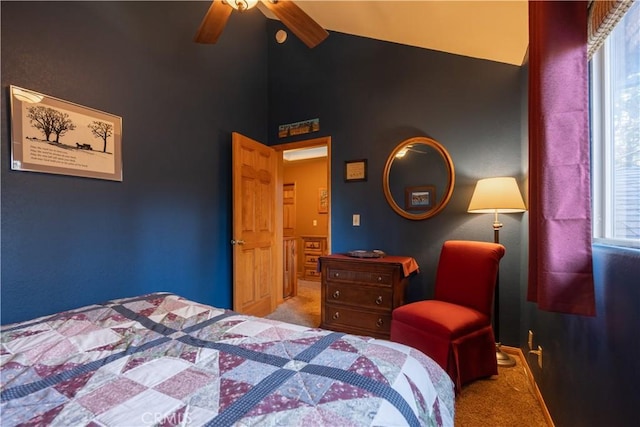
314,247
358,294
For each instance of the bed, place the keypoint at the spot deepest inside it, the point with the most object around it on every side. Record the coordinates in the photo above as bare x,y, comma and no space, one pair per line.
161,359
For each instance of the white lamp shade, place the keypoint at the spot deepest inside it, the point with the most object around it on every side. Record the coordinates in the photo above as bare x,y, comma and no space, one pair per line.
500,195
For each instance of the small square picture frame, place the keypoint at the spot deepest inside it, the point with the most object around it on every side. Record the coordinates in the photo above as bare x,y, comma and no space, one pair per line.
420,198
355,170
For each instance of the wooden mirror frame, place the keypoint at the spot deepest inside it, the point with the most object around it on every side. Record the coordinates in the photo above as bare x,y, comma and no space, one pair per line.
447,193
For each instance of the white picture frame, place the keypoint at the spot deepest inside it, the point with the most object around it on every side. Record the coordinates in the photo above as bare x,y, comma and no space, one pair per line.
54,136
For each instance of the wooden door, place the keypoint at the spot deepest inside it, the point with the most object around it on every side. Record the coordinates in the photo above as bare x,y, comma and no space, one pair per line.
254,226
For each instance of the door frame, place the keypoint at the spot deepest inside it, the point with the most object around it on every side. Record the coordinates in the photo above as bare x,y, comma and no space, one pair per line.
280,148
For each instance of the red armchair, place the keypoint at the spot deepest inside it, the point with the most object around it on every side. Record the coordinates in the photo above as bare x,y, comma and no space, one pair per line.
454,328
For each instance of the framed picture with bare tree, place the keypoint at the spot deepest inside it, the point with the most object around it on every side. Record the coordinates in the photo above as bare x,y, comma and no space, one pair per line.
55,136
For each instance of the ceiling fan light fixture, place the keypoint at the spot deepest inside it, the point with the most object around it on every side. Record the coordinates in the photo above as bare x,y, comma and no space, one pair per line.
241,5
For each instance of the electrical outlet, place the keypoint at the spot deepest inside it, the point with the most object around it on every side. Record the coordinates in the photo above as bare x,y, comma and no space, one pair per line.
356,220
530,340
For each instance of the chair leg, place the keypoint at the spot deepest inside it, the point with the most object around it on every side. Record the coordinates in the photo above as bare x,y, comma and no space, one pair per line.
456,359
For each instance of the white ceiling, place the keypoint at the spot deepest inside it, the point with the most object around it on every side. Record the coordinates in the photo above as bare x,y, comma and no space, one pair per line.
492,30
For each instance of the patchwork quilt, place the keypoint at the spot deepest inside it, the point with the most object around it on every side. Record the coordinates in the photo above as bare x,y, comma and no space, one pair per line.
162,360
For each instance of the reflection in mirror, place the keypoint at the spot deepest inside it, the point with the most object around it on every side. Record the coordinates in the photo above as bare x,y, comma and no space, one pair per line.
418,178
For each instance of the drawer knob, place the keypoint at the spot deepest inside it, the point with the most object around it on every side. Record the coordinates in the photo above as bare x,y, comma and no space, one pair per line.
336,294
379,278
336,315
336,274
379,323
379,300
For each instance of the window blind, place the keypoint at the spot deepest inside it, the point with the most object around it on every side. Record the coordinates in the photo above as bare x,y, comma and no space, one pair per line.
603,16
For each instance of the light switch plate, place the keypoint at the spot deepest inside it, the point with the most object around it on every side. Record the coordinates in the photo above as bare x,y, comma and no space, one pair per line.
356,220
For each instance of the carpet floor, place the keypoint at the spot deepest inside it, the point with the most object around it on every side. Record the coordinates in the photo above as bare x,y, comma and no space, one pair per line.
504,400
303,309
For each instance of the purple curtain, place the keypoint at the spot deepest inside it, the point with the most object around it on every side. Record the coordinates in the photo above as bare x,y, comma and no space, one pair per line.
560,264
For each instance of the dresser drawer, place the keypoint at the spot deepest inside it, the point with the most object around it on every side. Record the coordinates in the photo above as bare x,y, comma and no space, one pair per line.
365,296
311,272
340,317
375,277
313,245
311,259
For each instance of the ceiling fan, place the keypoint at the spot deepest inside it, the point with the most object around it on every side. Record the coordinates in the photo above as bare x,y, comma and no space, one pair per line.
294,18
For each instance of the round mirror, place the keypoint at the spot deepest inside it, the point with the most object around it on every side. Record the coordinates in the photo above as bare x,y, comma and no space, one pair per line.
418,178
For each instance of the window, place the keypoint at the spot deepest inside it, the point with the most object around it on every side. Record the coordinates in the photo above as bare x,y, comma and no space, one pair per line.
615,134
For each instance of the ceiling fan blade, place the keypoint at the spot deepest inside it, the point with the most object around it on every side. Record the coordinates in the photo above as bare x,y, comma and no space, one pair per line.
301,24
213,22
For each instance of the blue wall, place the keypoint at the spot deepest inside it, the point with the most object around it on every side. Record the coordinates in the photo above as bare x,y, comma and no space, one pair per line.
70,241
370,96
590,372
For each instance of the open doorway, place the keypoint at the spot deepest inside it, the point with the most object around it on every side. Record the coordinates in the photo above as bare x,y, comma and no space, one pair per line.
304,178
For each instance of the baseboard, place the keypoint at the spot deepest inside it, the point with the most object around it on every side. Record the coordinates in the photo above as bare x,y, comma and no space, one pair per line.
516,352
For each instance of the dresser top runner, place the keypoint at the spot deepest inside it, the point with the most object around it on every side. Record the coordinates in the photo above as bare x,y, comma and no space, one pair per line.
409,264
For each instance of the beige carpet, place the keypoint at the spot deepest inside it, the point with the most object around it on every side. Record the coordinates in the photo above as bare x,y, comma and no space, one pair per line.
505,400
304,308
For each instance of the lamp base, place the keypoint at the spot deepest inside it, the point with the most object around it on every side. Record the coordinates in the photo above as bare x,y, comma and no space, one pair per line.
503,358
